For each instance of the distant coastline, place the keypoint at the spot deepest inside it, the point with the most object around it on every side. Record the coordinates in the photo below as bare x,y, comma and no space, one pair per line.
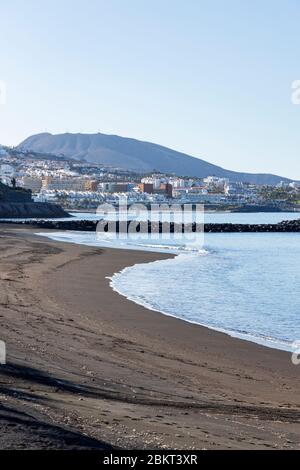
211,209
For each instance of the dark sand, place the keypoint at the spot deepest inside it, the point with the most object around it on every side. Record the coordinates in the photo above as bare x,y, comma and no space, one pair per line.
88,368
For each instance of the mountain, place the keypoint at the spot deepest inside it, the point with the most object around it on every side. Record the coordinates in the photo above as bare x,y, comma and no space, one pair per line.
135,155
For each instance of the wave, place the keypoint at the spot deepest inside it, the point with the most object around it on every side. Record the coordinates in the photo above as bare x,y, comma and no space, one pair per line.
258,338
242,285
264,340
88,238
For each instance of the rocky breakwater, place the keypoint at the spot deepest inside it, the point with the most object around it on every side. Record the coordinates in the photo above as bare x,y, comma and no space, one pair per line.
284,226
158,227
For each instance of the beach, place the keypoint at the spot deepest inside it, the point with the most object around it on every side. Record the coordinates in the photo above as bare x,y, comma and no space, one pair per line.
87,368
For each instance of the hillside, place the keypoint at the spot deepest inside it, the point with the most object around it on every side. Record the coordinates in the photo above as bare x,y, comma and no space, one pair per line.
135,155
17,203
8,194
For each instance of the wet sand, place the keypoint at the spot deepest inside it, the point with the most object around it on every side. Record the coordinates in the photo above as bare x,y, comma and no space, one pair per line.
89,369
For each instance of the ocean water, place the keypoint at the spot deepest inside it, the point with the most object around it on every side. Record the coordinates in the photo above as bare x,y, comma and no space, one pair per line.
244,284
209,217
249,218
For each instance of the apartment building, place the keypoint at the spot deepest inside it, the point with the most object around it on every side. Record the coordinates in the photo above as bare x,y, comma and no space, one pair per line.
66,184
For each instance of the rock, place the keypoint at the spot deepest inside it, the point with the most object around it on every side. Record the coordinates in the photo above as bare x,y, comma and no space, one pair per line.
22,210
91,226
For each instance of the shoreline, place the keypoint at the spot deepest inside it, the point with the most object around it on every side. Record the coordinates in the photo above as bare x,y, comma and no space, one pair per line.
266,341
115,372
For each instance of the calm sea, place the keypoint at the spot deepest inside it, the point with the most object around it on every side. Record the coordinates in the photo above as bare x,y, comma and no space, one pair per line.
246,285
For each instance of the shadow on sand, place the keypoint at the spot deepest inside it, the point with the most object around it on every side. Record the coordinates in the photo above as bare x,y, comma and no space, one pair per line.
23,429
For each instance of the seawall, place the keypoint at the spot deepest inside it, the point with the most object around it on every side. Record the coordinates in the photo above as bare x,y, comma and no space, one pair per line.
91,226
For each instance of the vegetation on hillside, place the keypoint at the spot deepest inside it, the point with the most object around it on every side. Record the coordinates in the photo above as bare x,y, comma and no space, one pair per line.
286,194
15,194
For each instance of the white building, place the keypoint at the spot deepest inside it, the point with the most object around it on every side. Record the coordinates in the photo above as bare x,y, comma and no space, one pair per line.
64,184
34,184
215,181
7,172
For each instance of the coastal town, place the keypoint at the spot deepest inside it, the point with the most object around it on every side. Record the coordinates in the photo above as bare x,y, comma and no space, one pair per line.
80,185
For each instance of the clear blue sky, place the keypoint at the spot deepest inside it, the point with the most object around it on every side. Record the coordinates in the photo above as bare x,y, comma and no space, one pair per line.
209,78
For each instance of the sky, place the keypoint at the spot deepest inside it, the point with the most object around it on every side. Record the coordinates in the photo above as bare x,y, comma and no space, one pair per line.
210,78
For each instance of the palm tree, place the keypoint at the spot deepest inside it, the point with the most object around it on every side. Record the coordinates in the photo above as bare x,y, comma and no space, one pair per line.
13,182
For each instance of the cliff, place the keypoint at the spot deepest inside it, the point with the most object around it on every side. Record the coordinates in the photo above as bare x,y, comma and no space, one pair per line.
19,210
8,194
